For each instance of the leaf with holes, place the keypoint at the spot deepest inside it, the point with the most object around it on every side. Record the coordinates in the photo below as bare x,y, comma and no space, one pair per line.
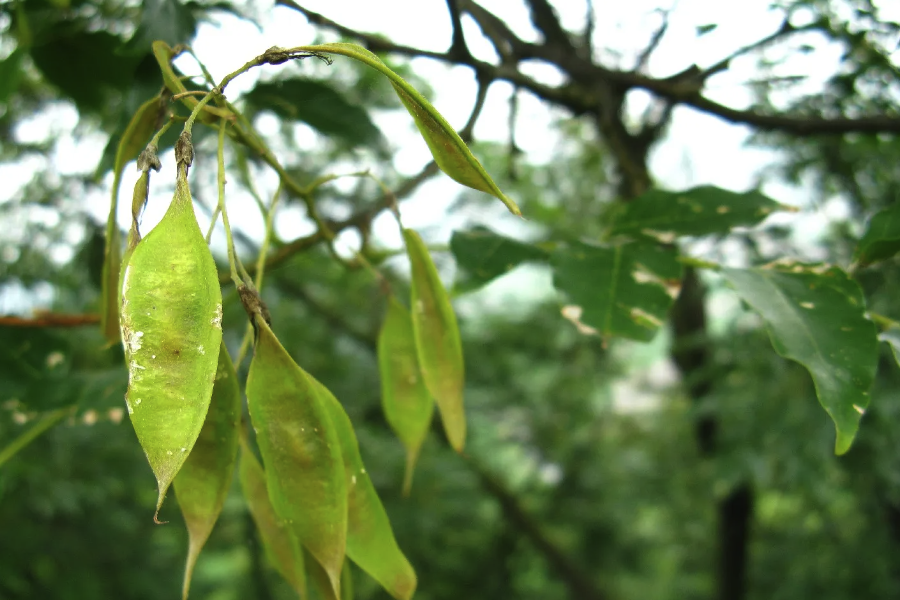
624,290
815,316
484,255
882,237
449,150
702,210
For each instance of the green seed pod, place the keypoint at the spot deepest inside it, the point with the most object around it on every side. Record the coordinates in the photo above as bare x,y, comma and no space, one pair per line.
203,481
280,545
171,322
407,405
300,450
437,340
370,539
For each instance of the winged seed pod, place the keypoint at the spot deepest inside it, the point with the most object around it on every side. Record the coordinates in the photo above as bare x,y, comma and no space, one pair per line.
171,326
280,545
203,481
370,539
300,451
437,340
407,405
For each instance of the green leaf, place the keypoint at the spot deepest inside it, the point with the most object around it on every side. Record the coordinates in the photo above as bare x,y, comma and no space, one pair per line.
281,547
702,210
317,104
10,74
624,290
882,237
815,316
484,255
370,539
438,344
449,150
301,452
407,405
203,481
168,20
704,29
171,321
85,67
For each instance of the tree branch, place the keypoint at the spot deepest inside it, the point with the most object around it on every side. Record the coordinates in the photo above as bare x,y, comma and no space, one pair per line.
49,320
544,17
458,48
654,41
579,583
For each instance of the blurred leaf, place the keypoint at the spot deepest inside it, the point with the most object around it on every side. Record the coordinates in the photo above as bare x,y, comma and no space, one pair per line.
704,29
484,255
618,291
438,343
815,316
35,367
882,237
166,20
10,74
85,66
891,336
407,405
317,104
699,211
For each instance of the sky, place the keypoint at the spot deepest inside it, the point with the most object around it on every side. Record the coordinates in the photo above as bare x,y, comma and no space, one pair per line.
699,149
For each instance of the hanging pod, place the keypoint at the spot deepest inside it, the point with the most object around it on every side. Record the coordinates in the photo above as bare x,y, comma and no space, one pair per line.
171,325
370,539
300,451
203,481
407,405
438,344
280,545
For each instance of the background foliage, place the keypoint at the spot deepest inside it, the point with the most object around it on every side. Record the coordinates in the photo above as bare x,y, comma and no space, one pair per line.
697,463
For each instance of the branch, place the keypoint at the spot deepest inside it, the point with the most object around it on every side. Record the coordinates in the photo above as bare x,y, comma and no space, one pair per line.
507,44
458,48
579,583
544,17
49,320
654,41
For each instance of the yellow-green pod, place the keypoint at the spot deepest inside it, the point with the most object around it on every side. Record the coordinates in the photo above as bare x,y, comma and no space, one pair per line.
171,322
300,450
203,481
281,547
437,340
370,539
407,405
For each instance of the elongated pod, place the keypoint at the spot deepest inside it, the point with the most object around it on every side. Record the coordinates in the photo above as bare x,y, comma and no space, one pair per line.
171,325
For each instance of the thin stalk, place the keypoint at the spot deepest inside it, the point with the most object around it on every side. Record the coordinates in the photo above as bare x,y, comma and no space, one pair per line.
220,154
46,422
